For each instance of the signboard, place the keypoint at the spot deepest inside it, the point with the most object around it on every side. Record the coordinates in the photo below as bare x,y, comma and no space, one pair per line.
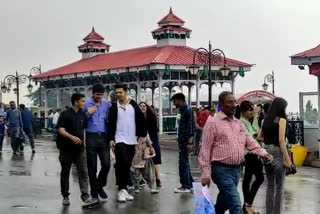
258,93
314,69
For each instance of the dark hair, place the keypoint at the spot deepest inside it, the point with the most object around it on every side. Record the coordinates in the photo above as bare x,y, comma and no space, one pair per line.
178,96
266,107
12,102
223,96
76,97
277,109
260,105
22,106
151,119
121,85
246,106
237,112
98,88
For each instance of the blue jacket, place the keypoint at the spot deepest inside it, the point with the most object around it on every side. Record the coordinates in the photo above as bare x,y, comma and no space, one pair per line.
27,119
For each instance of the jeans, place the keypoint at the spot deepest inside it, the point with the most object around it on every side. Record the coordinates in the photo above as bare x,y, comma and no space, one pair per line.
275,175
97,146
14,133
1,141
30,135
78,157
253,166
227,179
124,155
186,179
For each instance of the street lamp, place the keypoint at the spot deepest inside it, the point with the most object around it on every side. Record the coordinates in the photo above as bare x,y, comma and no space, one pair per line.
35,71
268,78
209,57
15,79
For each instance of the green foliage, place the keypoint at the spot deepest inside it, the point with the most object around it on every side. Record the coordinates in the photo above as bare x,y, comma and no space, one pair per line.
311,114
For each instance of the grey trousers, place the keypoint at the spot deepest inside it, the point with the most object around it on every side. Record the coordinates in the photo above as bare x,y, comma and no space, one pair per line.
78,157
275,175
147,174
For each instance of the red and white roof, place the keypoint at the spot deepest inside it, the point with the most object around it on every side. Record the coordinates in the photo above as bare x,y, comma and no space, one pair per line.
314,52
93,36
166,55
99,45
171,19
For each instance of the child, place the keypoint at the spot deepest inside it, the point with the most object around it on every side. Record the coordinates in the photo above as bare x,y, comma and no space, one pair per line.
2,130
142,164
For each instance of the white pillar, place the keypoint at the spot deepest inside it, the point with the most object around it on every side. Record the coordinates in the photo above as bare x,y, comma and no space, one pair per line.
160,105
318,114
197,93
58,98
138,92
45,108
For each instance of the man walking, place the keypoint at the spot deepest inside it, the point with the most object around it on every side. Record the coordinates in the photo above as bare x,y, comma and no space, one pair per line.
55,122
185,141
71,142
126,124
97,111
27,119
222,153
14,123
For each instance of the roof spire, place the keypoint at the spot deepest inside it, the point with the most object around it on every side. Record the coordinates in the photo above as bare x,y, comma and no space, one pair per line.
93,29
170,10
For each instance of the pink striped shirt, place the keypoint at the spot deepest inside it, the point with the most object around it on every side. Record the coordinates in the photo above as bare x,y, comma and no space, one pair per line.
224,140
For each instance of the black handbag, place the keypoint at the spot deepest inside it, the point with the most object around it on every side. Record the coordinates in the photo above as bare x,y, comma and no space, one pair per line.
291,170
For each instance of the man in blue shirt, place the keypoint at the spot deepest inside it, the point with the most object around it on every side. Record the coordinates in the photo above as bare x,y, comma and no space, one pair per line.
185,141
97,111
14,123
27,119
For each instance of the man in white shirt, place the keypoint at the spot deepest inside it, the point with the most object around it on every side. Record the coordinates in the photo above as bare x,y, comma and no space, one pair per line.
126,124
55,122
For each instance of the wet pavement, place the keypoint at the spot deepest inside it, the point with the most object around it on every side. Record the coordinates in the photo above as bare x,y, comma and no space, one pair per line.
30,184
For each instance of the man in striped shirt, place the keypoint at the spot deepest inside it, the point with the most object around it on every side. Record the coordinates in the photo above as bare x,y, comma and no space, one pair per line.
222,153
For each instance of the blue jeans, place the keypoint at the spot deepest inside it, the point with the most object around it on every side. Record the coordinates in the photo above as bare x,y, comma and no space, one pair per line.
184,166
227,179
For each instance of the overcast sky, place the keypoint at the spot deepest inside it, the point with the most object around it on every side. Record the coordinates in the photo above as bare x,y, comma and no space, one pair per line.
261,32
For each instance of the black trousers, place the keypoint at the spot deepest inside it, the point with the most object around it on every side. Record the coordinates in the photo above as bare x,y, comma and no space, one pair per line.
253,166
29,133
97,146
78,157
124,155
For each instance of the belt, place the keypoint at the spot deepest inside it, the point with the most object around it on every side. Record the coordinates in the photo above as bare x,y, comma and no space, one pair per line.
217,163
96,133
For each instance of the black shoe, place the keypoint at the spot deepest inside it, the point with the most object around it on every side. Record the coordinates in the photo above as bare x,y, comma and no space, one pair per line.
66,201
103,195
33,151
158,183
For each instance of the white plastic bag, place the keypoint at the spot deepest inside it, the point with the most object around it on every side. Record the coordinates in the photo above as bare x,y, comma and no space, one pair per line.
203,199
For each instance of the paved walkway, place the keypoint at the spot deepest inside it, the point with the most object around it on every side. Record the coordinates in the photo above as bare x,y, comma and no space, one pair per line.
30,184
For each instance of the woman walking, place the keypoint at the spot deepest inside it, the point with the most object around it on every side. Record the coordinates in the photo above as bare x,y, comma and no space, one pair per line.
253,164
152,128
274,134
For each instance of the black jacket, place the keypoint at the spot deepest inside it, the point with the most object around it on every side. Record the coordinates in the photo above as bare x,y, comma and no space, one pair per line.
141,130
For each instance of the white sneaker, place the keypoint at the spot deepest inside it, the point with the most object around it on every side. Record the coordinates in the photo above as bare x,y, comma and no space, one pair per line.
137,190
128,196
182,190
154,191
122,197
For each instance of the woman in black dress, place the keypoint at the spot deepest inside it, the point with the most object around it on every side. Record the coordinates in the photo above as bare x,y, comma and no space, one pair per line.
152,126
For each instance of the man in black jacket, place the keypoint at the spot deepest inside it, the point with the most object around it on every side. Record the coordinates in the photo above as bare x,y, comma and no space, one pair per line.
126,123
71,141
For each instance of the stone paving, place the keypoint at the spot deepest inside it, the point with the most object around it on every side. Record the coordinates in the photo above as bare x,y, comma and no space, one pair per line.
30,184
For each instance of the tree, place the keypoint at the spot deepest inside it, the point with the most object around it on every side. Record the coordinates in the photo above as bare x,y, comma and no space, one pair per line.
311,114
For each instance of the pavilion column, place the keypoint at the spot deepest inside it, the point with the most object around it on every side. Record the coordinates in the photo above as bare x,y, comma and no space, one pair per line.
232,84
45,108
189,94
318,114
152,93
138,92
197,93
160,104
58,98
170,94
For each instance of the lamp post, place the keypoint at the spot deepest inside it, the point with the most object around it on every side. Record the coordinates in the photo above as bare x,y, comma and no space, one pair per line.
16,79
35,71
209,57
268,78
